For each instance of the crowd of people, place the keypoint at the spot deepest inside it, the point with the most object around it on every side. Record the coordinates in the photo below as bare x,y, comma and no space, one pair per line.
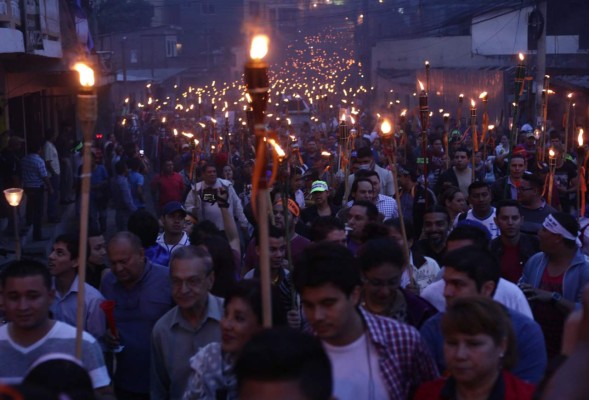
454,275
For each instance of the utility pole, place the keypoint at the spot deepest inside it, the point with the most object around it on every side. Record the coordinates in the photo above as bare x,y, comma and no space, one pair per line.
124,60
540,61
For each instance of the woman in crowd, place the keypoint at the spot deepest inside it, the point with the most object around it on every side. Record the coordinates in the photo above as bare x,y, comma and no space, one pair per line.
454,201
479,348
213,377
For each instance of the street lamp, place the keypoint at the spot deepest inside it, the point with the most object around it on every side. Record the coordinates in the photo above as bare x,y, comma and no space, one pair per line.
13,197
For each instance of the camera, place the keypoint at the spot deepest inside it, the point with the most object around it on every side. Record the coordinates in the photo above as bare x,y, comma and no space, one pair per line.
209,195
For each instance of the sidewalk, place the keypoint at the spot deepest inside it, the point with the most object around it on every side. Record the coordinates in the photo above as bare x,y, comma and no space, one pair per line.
38,250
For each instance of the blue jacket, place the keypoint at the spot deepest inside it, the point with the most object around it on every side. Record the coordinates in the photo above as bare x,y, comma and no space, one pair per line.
575,277
531,351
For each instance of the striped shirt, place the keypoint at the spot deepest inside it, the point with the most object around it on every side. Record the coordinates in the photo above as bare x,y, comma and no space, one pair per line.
33,171
16,359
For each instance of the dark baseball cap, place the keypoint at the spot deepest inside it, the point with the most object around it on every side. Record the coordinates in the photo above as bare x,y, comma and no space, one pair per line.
172,207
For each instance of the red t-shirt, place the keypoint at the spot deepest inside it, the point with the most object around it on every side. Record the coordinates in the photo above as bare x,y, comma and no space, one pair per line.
511,267
170,187
548,316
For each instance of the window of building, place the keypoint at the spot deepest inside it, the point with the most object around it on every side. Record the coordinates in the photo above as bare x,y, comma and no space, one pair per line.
171,49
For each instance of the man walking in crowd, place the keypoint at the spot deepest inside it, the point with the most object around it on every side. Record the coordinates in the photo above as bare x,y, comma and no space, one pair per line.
436,224
190,325
329,229
63,266
479,197
507,187
553,279
459,175
297,242
51,158
413,199
371,356
361,213
96,262
321,206
35,180
121,196
470,271
472,233
365,160
202,201
142,294
387,206
283,363
167,186
31,333
534,209
512,247
173,236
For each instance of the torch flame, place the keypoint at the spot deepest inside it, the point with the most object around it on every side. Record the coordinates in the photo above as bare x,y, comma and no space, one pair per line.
483,95
521,56
226,114
196,142
427,64
421,85
386,127
279,152
446,115
404,113
472,103
325,154
570,95
352,120
86,74
259,47
551,153
491,127
580,138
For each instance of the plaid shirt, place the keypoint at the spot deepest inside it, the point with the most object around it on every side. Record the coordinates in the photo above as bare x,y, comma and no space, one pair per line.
405,362
386,205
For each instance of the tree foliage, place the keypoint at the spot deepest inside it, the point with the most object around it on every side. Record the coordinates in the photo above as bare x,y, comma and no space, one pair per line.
123,15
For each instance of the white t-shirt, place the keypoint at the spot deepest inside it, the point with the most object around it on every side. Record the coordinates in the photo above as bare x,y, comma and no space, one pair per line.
507,293
355,369
488,222
50,154
424,275
61,338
